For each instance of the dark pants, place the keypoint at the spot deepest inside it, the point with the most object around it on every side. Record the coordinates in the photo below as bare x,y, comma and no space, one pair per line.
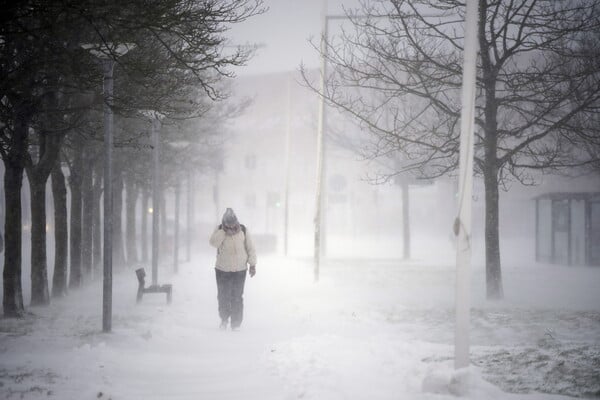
230,291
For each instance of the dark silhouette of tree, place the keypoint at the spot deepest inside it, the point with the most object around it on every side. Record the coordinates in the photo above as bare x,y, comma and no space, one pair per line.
179,46
61,245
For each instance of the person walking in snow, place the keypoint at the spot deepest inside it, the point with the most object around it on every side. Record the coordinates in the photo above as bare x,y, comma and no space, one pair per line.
235,251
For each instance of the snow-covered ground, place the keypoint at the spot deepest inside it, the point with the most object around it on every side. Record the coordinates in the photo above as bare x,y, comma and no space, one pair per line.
368,330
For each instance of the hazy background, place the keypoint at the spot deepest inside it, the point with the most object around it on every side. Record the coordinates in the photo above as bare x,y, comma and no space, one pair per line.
285,30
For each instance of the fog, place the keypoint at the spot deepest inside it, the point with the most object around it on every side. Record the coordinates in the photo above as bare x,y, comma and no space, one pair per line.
379,323
376,325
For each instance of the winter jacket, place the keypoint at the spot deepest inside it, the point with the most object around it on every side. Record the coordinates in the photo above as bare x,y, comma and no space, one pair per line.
234,252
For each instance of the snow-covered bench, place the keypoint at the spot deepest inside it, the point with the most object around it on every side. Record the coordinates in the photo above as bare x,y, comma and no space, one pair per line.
141,276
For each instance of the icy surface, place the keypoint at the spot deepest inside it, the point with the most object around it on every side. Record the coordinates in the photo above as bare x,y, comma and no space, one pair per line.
368,330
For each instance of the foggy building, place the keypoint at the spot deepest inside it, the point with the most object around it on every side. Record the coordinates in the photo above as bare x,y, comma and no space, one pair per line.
568,228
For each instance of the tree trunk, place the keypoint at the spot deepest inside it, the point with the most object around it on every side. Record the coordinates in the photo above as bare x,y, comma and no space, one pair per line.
118,248
493,270
131,200
405,221
38,172
144,233
162,213
87,227
40,294
75,222
61,244
13,291
13,228
96,223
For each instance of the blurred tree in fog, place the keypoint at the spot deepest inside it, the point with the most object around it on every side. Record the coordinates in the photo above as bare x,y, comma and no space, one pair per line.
37,64
398,72
51,87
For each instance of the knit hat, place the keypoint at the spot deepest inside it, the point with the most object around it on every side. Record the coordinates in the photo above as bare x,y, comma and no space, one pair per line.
229,218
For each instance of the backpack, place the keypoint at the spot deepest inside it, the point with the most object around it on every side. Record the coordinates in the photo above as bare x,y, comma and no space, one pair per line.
243,228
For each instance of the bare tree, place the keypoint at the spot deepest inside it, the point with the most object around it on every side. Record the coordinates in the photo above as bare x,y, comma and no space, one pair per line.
179,44
537,86
61,246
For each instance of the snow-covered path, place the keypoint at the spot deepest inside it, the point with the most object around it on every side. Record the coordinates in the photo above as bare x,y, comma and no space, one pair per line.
367,330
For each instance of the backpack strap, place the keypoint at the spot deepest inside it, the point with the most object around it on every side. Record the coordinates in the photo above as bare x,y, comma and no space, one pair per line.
243,228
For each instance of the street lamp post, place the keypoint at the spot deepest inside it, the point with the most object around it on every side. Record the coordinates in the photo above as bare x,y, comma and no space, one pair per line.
106,53
155,197
176,228
320,243
107,65
190,217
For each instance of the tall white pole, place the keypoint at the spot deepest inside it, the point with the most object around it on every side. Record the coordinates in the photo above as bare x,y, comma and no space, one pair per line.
288,148
465,187
320,148
108,65
155,198
190,219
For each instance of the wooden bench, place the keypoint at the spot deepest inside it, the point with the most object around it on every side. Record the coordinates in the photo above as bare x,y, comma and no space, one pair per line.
141,277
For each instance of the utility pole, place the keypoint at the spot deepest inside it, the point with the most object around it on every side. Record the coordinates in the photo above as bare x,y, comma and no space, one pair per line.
288,139
319,206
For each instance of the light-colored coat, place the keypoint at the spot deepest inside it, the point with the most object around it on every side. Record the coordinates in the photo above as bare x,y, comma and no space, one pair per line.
234,252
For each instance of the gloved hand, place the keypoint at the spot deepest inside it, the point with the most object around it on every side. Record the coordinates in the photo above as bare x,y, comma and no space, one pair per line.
252,270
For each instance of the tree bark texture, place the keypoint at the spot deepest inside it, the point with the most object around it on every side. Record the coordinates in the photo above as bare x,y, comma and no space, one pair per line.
61,244
13,228
87,216
490,167
40,294
493,270
130,207
162,213
144,228
96,223
118,248
38,172
13,291
75,181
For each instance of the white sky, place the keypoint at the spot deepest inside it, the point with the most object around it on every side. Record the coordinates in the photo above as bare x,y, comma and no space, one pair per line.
285,30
